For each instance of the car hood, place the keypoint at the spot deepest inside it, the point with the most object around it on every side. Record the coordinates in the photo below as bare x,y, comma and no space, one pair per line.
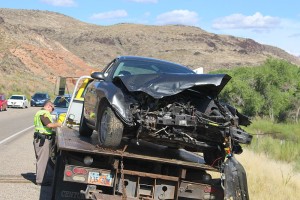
15,100
161,85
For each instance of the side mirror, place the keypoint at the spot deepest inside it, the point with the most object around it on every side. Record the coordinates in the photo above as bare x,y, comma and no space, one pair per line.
98,75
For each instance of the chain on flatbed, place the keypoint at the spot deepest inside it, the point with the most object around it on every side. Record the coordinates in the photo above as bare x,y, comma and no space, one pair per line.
124,195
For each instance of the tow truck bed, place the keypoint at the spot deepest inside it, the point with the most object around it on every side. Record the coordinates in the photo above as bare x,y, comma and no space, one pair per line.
138,171
69,140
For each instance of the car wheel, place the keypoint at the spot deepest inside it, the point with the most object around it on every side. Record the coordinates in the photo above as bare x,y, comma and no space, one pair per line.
84,130
214,157
110,130
1,109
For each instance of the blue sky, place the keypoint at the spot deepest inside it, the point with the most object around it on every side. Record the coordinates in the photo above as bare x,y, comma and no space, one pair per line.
273,22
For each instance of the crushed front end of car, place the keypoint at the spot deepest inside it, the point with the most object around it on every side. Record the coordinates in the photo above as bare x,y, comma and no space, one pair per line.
183,111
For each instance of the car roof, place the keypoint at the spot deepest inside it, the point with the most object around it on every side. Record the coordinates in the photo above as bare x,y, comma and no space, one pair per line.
141,58
41,93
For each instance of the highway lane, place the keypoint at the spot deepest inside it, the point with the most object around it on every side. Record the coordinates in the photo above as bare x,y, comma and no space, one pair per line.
16,120
17,159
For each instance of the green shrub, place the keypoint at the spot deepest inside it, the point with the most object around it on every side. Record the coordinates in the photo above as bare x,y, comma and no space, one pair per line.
271,90
280,141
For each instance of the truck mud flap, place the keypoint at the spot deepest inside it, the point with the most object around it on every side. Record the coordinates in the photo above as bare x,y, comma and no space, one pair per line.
235,180
62,190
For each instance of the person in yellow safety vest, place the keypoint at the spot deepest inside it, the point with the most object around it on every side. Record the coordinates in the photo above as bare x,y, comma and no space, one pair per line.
43,136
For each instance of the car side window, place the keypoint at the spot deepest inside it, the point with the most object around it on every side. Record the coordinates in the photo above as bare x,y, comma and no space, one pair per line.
119,69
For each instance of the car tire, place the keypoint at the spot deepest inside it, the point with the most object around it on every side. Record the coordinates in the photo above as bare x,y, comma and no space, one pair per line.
110,130
214,157
84,130
1,109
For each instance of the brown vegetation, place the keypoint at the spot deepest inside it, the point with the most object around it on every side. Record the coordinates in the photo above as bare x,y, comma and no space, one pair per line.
269,179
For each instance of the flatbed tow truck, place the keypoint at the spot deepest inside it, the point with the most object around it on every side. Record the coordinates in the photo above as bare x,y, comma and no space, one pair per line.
137,170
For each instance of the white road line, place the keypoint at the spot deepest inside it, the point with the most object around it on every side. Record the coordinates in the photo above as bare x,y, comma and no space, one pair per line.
14,135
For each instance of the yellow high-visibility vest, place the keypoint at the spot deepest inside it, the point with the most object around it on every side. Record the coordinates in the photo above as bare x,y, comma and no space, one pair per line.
39,127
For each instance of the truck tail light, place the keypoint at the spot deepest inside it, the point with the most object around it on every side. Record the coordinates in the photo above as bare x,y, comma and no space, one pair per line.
68,173
78,170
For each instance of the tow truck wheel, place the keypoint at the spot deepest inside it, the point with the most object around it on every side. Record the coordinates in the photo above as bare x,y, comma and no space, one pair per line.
110,128
84,130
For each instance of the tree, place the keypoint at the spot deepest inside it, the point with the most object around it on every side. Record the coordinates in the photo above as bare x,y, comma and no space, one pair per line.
271,89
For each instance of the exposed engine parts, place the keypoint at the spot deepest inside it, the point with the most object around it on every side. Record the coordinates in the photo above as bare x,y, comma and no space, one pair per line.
189,121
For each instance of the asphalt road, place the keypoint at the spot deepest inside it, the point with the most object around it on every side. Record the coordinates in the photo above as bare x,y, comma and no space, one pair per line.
17,159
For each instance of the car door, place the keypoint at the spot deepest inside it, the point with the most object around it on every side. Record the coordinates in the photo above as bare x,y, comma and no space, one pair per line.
23,102
3,103
26,102
92,99
47,97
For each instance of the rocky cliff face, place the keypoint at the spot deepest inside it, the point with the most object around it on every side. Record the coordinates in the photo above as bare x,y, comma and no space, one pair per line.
37,46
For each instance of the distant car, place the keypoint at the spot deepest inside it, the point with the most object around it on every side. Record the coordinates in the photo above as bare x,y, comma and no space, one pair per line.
3,102
17,101
39,99
61,104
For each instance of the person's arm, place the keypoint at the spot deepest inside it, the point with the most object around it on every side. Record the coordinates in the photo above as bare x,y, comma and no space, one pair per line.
46,122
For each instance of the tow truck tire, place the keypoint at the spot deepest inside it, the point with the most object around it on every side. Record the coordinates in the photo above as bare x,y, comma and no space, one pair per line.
110,130
84,130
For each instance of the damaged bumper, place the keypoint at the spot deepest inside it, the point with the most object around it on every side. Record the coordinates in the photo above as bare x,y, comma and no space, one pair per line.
234,180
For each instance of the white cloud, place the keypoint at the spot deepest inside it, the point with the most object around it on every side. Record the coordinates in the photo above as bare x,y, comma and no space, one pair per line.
144,1
110,15
183,17
255,22
63,3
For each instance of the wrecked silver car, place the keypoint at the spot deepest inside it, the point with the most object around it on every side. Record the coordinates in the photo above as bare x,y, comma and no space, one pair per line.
164,103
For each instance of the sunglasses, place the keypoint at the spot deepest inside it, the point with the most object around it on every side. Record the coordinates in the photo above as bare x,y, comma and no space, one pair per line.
52,107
